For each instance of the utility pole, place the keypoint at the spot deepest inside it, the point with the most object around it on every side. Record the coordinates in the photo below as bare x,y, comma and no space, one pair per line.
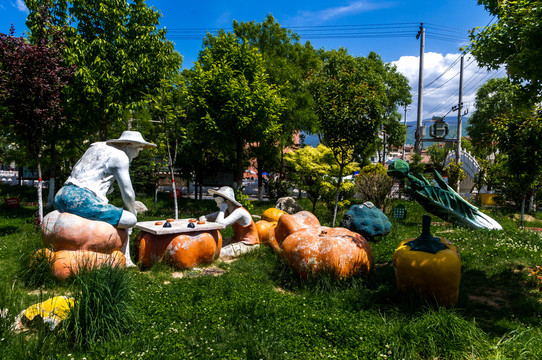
404,145
418,144
459,111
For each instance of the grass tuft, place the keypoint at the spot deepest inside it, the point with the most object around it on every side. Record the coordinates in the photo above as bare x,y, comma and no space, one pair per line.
103,308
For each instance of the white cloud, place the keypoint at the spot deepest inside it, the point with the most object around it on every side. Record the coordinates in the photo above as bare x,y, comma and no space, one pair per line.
441,82
333,13
20,5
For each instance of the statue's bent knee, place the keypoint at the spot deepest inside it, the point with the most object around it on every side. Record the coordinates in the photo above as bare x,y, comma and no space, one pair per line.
127,220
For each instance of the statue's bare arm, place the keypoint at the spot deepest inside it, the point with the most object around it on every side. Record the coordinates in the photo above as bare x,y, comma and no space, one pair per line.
120,170
239,215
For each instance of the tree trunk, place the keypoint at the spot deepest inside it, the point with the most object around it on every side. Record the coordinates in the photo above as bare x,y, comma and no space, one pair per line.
238,171
172,174
341,167
522,209
260,181
40,185
52,175
384,149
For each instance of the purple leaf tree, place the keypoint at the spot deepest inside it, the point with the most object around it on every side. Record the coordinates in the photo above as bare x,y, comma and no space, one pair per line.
32,77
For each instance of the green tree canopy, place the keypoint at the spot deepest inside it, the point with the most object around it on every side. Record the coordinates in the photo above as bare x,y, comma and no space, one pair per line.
288,63
307,168
395,92
513,40
350,111
233,103
519,137
493,99
120,54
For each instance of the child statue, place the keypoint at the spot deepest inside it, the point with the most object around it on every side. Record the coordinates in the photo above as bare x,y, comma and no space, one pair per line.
232,213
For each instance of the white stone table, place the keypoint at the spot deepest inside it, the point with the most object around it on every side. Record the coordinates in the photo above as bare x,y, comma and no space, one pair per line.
177,227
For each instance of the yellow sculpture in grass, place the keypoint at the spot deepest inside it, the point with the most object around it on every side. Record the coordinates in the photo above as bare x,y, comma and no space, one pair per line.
430,266
51,311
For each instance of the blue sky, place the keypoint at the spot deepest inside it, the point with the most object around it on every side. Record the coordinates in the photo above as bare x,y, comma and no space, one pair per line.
333,24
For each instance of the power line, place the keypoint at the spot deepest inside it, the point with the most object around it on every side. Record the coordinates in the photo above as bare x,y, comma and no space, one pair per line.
445,71
381,30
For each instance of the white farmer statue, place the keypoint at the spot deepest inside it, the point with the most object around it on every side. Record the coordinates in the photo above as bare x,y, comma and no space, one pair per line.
84,193
232,213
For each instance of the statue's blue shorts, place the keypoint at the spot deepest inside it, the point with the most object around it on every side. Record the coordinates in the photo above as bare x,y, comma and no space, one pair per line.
84,203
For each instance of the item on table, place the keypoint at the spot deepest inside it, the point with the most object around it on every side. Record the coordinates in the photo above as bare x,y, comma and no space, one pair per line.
167,225
170,220
191,225
192,220
158,223
201,222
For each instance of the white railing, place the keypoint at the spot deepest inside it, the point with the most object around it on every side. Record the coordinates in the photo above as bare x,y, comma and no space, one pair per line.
470,165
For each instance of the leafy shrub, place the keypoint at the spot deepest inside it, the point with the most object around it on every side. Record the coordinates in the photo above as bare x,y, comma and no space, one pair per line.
103,307
345,194
276,188
455,173
373,184
243,200
416,165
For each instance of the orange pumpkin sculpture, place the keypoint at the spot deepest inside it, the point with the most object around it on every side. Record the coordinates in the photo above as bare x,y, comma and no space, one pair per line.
68,262
65,231
268,223
312,249
336,251
288,224
272,214
263,227
181,251
80,243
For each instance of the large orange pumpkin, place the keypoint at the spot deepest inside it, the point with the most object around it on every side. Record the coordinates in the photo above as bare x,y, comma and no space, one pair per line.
68,262
65,231
288,224
337,251
182,251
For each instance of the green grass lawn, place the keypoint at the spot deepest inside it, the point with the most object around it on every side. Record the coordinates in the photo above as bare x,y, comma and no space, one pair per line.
257,308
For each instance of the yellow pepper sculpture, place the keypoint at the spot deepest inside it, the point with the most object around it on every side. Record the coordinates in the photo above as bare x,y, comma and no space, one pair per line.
428,265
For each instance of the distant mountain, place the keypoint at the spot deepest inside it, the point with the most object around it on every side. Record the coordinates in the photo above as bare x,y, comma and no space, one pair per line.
452,132
313,140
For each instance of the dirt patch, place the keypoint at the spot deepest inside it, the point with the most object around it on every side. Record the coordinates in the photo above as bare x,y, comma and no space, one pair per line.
282,291
47,292
197,272
37,292
490,297
528,218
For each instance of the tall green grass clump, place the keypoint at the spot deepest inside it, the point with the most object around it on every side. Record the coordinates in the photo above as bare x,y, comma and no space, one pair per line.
35,268
104,308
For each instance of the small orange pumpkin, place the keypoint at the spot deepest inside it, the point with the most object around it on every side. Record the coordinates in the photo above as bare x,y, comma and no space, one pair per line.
68,262
337,251
185,250
272,214
65,231
263,227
